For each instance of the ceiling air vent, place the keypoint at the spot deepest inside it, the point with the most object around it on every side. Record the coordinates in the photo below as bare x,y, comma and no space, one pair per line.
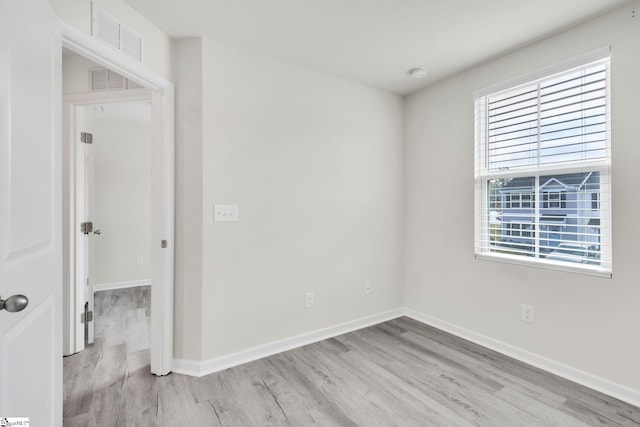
108,29
131,43
104,79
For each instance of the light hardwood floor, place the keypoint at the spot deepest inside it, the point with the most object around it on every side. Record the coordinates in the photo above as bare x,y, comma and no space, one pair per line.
398,373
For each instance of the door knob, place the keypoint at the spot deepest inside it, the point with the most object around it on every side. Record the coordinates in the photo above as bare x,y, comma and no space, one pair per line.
97,232
14,303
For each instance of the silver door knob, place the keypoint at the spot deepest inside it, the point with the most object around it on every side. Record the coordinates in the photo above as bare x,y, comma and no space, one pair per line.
14,303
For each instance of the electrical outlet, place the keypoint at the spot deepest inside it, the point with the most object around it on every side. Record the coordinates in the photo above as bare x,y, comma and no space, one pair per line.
367,288
139,260
308,300
527,313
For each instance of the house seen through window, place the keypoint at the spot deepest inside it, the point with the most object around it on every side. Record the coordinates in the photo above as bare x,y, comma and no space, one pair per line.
542,169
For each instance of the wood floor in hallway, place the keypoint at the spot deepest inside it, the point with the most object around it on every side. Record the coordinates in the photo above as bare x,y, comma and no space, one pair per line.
398,373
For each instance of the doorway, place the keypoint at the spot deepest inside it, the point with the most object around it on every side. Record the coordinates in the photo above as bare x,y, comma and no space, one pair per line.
110,142
120,184
161,255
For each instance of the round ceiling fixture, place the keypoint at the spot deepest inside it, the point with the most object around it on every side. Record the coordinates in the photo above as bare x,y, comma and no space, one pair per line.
418,72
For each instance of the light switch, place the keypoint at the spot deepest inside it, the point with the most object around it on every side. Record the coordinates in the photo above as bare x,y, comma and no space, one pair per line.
225,213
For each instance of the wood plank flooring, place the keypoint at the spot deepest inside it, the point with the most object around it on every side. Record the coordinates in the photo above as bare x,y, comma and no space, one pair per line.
398,373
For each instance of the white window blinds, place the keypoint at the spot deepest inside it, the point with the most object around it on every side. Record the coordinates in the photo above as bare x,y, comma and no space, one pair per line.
542,170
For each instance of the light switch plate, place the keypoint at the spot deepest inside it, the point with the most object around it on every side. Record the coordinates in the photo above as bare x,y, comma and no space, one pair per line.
225,213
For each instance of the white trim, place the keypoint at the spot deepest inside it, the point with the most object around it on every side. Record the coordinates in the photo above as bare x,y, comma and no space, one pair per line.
194,368
198,369
591,381
163,196
107,96
578,61
585,269
121,285
162,229
103,54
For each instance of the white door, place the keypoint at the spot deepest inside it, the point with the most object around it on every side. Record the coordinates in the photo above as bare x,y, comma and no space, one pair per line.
84,233
30,212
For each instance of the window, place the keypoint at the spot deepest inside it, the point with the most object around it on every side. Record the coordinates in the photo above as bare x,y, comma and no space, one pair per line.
595,201
519,230
515,200
554,200
546,138
519,200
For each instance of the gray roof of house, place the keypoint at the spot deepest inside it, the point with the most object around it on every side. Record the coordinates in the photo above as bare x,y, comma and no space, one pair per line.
568,180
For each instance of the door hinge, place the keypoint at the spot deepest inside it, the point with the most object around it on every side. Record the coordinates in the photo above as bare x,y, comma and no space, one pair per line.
86,137
163,244
86,227
86,317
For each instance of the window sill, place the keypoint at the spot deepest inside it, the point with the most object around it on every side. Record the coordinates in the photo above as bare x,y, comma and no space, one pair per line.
589,271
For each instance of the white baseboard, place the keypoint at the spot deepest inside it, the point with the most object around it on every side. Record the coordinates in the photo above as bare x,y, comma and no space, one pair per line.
586,379
121,285
198,369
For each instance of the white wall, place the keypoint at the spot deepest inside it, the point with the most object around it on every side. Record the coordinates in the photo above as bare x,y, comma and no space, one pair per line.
585,322
315,165
75,73
156,44
122,199
188,233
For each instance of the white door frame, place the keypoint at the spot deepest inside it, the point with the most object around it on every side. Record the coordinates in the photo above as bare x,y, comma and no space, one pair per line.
162,188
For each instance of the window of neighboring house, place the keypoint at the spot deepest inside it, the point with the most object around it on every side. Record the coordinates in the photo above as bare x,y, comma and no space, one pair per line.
547,138
555,229
595,201
520,230
515,200
518,200
554,200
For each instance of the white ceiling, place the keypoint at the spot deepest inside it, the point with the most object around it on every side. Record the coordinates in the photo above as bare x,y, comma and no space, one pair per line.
374,42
